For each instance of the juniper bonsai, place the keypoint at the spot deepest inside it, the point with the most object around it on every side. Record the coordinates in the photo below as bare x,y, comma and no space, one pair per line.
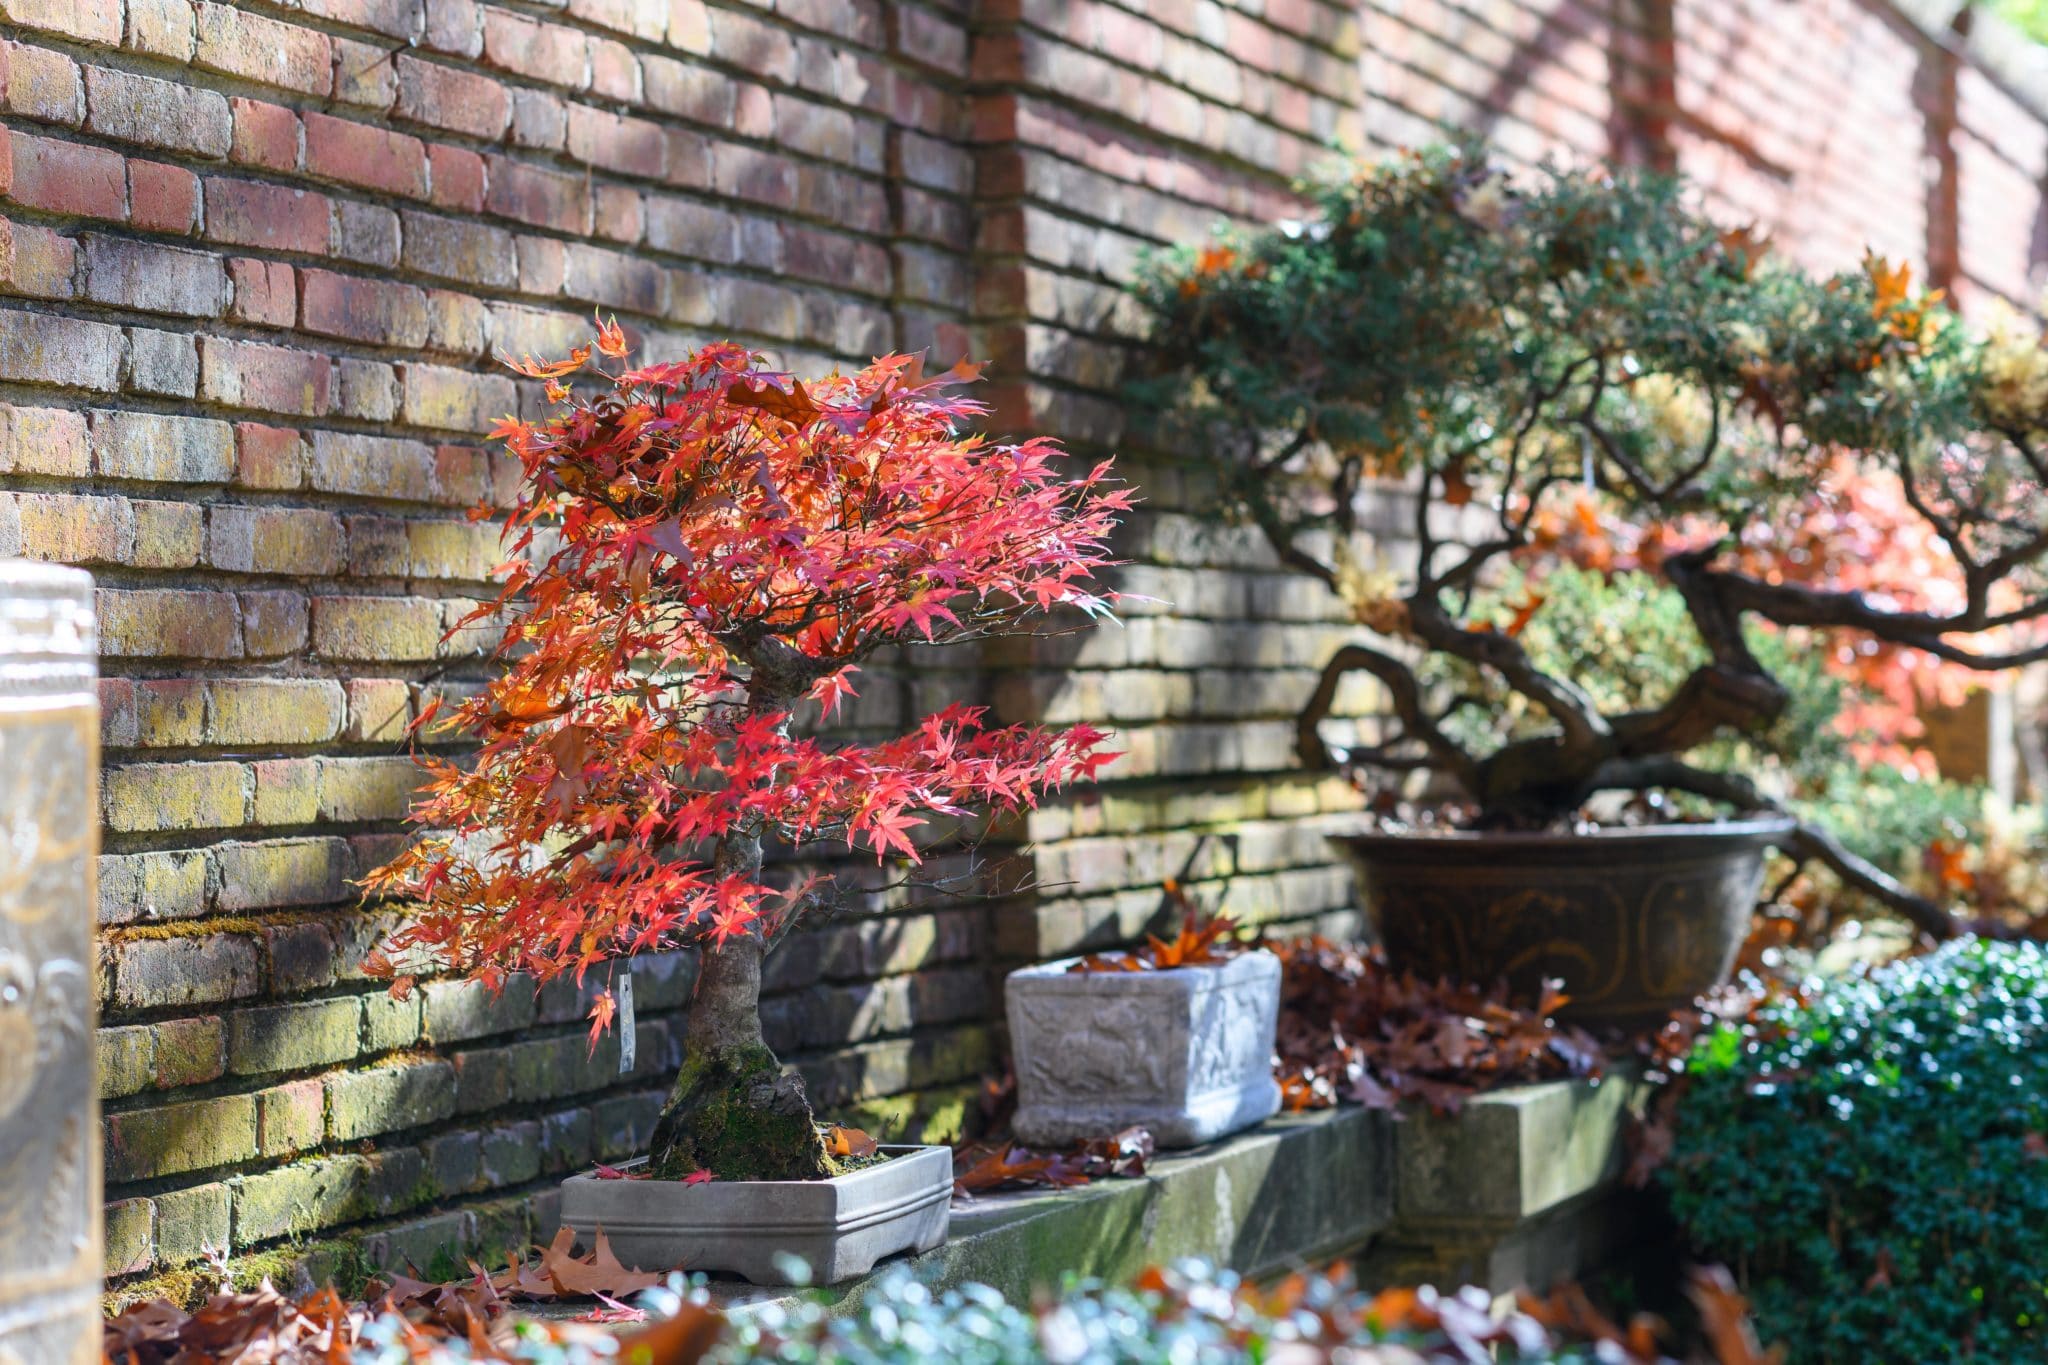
1581,369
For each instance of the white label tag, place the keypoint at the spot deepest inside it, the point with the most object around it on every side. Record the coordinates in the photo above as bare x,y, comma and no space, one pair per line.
629,1039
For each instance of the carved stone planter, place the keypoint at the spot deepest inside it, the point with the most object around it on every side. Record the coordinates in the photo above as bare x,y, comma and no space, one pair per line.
1187,1053
839,1227
49,835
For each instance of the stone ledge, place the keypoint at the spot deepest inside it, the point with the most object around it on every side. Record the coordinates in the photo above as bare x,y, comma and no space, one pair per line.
1523,1186
1521,1189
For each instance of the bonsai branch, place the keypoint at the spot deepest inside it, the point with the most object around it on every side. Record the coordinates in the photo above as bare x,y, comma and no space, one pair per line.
1793,604
1404,690
1806,843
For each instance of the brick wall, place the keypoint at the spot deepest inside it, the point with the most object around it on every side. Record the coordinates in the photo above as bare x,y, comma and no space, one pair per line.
258,259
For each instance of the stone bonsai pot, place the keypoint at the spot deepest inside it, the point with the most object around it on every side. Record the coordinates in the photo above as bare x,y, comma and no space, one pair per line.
1635,921
839,1227
1186,1052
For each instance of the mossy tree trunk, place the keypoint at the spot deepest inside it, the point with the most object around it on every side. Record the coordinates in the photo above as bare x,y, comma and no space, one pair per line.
733,1110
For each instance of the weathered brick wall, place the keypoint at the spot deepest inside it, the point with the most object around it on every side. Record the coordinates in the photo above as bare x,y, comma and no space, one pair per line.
260,256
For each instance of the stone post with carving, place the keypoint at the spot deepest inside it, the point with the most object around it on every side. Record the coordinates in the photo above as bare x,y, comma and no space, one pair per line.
49,834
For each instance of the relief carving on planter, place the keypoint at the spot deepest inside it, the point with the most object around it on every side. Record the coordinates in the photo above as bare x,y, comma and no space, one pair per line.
49,836
1115,1048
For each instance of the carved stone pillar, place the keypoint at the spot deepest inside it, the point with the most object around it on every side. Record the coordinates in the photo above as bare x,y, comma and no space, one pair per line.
49,834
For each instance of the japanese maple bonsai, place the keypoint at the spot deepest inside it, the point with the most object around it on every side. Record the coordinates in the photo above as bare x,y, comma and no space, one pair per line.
702,554
1566,374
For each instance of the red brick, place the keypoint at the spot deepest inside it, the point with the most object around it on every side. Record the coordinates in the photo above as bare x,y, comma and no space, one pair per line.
392,18
449,97
40,348
549,53
614,279
614,71
540,265
154,278
44,85
162,198
273,623
455,400
458,178
376,311
269,457
156,113
630,146
635,17
455,249
89,21
364,75
359,154
51,441
280,217
40,264
266,135
541,197
264,292
538,120
619,215
753,112
160,28
249,374
753,44
65,177
456,323
455,27
689,27
465,476
689,91
266,51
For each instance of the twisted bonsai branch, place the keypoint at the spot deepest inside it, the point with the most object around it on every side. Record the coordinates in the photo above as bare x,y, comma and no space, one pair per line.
1806,843
1405,692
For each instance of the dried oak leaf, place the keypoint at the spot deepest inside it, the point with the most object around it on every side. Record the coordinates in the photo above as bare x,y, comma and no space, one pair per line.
1724,1320
561,1273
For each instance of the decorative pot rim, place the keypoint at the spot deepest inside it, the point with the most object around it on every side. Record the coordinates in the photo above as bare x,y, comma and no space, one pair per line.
896,1150
1060,969
1756,829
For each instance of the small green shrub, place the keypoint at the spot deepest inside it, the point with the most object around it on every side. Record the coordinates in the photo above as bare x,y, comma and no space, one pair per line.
1872,1162
1190,1313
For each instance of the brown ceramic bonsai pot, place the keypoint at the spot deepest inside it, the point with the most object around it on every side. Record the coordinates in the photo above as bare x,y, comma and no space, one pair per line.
1635,921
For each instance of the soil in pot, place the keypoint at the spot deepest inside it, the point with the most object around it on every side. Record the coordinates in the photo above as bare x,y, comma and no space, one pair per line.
1635,920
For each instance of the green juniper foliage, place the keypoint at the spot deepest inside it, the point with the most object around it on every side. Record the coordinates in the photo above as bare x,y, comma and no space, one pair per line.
1578,366
1873,1161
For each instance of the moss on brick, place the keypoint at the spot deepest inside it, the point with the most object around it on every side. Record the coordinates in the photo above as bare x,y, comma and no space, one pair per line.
338,1261
196,1136
293,1037
393,1093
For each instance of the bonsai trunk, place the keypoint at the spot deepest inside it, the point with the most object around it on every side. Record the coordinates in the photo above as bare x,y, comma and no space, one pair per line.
733,1111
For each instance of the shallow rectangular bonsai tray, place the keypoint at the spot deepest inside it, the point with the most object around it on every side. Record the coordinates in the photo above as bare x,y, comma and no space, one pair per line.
840,1227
